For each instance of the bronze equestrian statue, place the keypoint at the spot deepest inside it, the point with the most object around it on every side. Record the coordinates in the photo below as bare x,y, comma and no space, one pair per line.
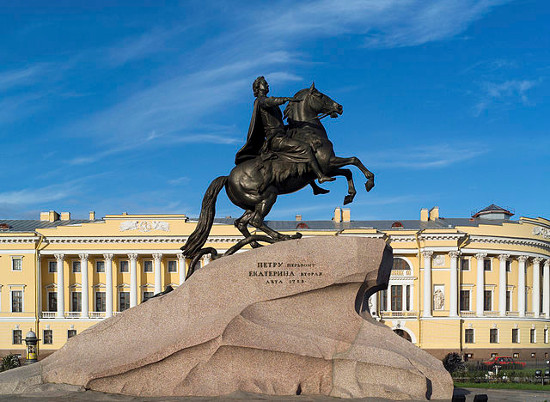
276,159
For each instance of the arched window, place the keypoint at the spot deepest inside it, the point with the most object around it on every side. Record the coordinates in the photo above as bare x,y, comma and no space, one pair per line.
400,264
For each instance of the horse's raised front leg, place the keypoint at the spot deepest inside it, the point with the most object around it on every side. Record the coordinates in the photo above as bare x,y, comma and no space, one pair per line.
337,162
351,186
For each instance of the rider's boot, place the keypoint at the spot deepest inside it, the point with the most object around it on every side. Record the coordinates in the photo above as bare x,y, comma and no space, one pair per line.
317,170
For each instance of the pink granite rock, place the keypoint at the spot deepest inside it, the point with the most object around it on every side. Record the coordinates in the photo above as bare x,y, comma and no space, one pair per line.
279,320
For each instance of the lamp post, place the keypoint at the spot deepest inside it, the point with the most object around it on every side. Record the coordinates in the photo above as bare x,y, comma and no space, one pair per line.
32,354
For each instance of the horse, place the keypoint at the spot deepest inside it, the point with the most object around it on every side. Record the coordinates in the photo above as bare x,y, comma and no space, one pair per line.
255,184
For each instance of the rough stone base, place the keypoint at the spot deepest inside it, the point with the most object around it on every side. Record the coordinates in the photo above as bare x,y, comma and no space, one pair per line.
279,320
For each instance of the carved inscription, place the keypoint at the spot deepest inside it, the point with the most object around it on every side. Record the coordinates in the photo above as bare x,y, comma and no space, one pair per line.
278,272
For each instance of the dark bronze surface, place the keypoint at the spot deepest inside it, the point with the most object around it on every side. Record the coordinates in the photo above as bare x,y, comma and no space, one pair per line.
276,159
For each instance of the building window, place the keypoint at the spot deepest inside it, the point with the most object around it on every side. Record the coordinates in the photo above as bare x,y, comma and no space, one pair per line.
124,266
508,300
508,266
487,264
172,266
71,333
76,266
515,355
100,302
465,300
16,301
147,295
52,266
465,264
123,301
100,266
493,335
76,301
384,300
148,266
469,335
48,337
408,297
52,301
16,264
397,298
488,300
515,335
533,335
545,335
400,264
17,337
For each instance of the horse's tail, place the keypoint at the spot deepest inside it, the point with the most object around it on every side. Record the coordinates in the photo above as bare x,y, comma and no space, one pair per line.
197,239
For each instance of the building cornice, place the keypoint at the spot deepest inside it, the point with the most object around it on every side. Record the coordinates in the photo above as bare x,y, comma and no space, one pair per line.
516,241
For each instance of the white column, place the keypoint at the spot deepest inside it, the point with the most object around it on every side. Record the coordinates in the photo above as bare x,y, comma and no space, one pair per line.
60,286
109,284
480,285
521,285
502,284
536,286
453,307
181,267
158,277
373,304
133,279
546,289
427,308
85,286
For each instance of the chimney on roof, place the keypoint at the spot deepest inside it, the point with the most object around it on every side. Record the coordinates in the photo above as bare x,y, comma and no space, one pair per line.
434,213
49,216
346,215
337,215
65,216
298,218
92,215
424,215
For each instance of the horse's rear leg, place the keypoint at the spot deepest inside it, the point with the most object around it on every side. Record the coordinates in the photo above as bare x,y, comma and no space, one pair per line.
242,224
338,162
261,211
351,186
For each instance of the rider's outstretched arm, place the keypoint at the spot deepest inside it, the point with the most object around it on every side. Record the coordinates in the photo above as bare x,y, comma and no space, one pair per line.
274,101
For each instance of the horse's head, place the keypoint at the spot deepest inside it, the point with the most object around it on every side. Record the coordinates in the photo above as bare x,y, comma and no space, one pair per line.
312,104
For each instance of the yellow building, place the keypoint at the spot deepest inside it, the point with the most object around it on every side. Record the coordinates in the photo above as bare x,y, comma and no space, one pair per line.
478,285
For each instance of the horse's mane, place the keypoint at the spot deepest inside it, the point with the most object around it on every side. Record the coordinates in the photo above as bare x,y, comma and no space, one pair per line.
292,108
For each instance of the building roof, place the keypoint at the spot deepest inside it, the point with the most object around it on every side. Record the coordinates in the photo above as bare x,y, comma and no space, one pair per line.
31,225
492,209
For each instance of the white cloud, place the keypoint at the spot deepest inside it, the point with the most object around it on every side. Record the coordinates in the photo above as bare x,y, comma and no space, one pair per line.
426,157
23,76
506,93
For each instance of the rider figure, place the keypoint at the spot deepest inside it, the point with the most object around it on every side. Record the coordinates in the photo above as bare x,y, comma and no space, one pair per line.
267,131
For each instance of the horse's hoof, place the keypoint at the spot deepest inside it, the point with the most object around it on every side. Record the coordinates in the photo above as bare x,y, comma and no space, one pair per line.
369,185
348,199
296,236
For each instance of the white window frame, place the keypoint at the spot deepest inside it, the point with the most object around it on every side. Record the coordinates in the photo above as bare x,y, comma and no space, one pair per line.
97,264
48,298
12,336
535,337
508,264
492,298
545,331
469,259
473,336
52,265
44,336
22,290
498,335
519,335
71,301
18,258
120,266
73,262
469,299
490,259
152,267
75,333
168,266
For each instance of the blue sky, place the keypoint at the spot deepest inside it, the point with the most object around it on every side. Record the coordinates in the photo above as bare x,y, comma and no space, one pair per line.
136,106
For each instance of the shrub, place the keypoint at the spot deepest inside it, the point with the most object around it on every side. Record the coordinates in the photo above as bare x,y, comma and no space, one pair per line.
9,362
453,362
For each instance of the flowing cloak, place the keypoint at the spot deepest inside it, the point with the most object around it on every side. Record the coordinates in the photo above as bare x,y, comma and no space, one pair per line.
255,138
